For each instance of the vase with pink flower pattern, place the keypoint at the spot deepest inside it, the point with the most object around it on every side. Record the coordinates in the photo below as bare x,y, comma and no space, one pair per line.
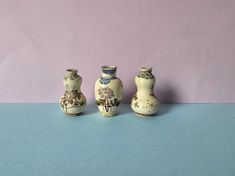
108,91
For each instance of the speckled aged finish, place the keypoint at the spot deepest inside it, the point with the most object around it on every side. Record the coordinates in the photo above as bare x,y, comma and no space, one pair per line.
144,102
108,91
73,102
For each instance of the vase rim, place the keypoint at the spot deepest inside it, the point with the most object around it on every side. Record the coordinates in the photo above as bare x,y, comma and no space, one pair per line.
146,69
71,70
109,67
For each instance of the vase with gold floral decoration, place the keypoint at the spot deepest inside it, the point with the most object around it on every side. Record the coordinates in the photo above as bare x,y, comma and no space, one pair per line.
144,102
73,101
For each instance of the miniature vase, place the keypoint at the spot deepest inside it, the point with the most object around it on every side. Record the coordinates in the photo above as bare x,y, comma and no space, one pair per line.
144,102
108,91
73,102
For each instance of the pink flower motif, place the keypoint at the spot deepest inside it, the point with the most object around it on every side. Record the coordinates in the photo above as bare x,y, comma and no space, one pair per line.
105,93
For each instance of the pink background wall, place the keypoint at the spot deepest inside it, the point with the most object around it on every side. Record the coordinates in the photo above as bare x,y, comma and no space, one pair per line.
189,43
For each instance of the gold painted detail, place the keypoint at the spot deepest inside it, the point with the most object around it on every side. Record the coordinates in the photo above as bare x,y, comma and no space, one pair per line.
145,75
72,99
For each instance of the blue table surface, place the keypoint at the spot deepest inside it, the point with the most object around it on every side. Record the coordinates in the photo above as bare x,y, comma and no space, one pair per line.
181,140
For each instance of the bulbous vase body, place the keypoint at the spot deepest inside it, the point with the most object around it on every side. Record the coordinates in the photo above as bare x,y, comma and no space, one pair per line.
73,101
144,102
108,91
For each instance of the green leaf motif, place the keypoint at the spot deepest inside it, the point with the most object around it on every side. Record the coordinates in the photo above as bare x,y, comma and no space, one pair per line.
111,103
100,102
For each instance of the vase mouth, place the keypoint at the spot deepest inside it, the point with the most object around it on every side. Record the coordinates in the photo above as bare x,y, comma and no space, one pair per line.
109,69
72,70
146,69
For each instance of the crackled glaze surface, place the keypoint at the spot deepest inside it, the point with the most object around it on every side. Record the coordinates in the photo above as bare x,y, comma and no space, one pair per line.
144,102
108,91
73,101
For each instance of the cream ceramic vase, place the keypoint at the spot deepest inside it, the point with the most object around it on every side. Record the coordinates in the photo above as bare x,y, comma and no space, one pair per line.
144,102
73,102
108,91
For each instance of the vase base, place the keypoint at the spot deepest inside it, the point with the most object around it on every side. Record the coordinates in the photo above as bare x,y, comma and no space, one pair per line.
73,115
108,115
144,115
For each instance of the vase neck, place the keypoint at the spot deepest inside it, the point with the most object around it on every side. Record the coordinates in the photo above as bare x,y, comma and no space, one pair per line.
145,73
109,71
145,81
72,73
72,81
